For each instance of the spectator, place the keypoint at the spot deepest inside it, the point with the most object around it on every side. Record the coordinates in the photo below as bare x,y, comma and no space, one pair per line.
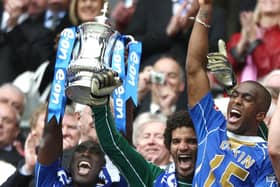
13,96
161,87
254,52
122,13
56,16
23,176
85,123
6,54
161,29
272,82
147,137
229,151
273,140
171,17
10,130
70,130
82,11
27,40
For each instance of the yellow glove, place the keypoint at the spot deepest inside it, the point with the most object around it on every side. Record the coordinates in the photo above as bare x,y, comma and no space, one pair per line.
103,84
220,67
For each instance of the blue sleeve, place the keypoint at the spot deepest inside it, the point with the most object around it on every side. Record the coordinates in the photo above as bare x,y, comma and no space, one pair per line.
206,117
52,175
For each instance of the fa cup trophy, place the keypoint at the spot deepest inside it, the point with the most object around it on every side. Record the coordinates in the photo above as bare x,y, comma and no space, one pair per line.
92,50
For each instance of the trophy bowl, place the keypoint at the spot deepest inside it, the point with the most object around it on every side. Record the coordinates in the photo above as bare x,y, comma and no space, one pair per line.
95,40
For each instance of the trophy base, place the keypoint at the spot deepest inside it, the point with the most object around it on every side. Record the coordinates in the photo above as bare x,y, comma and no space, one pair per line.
80,92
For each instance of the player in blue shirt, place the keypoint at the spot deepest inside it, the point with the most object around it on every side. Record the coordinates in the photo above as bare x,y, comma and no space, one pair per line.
230,153
86,166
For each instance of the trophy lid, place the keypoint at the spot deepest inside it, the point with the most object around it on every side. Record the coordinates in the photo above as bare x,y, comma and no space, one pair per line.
103,18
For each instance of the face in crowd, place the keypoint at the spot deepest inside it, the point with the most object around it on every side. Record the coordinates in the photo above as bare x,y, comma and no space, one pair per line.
70,131
12,96
88,9
9,125
150,144
173,77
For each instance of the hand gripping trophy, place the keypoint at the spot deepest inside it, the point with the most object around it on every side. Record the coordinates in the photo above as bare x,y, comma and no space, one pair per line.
91,64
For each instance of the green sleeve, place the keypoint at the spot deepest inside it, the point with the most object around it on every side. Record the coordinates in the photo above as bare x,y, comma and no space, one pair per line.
137,171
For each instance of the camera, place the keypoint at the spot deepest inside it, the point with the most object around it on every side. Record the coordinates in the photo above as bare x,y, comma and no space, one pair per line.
157,77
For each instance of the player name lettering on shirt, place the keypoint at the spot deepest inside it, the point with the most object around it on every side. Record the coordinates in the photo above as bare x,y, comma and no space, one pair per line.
242,157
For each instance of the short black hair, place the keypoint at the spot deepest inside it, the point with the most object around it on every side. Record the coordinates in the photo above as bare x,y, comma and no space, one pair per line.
176,120
264,96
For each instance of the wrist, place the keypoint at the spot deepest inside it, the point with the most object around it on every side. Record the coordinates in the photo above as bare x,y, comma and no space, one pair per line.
204,15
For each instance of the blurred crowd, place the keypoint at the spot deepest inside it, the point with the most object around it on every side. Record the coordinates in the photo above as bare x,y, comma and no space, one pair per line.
29,32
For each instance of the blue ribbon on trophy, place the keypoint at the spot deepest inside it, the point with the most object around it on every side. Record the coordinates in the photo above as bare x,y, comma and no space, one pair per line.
134,55
118,65
57,100
129,76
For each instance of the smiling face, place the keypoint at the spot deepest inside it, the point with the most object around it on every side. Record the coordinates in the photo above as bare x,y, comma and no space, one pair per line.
246,109
183,149
88,9
150,143
87,161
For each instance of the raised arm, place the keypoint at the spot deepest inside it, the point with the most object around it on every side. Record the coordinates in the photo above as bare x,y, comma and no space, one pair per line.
197,80
274,140
51,144
132,165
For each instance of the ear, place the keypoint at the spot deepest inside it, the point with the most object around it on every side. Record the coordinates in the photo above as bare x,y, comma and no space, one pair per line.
260,116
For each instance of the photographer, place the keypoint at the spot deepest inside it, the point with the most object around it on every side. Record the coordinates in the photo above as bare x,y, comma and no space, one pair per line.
160,87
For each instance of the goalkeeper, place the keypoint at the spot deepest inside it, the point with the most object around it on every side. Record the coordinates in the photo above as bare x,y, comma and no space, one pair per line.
179,137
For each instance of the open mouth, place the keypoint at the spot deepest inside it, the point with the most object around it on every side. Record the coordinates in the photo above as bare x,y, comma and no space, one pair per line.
84,167
184,160
234,116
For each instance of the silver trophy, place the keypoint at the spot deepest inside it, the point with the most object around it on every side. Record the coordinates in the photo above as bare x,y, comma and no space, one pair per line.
91,54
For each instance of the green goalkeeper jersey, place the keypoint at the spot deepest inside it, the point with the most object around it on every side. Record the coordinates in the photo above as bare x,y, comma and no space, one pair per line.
137,171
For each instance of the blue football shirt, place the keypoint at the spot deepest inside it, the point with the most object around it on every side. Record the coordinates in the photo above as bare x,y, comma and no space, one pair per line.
224,158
